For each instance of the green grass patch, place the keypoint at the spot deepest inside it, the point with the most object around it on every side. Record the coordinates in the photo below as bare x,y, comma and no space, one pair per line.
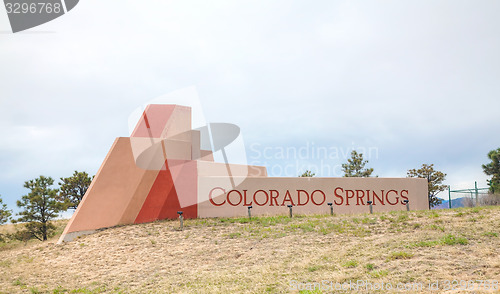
234,235
475,210
313,268
369,221
379,273
445,240
400,255
59,290
317,291
361,232
426,243
350,264
433,214
5,263
437,228
490,234
89,291
403,217
19,282
338,228
452,240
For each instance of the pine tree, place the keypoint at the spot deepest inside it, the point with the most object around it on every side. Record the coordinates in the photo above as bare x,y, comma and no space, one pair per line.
4,212
355,166
493,169
40,207
307,174
72,189
434,180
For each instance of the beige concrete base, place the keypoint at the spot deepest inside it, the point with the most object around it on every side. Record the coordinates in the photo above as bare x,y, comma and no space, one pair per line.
73,235
272,195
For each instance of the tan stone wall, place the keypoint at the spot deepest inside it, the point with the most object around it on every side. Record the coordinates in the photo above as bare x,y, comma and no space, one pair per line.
269,196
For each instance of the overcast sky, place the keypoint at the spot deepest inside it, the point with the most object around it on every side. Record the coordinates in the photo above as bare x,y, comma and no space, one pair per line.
413,81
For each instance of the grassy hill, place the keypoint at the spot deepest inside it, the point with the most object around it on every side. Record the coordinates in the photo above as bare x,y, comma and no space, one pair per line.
265,254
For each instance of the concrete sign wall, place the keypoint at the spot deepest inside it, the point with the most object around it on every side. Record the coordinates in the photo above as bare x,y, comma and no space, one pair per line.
269,196
162,169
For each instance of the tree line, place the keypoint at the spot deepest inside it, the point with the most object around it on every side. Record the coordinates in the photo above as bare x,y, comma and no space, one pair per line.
355,167
43,204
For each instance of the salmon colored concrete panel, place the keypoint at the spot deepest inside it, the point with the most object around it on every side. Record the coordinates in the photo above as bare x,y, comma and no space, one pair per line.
206,155
163,201
162,189
184,174
207,168
134,206
179,124
195,145
150,153
112,191
153,121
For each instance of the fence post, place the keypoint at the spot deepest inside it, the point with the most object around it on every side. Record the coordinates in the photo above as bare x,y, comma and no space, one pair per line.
477,194
449,196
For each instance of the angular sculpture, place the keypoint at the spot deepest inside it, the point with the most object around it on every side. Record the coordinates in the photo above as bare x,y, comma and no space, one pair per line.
161,169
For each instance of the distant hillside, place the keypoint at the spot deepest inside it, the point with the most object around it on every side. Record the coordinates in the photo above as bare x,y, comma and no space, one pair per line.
455,203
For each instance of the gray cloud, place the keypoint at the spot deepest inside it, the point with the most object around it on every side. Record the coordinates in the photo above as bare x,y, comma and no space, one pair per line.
416,79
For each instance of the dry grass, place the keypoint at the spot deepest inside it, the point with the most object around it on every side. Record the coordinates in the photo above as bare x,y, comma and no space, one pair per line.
10,229
263,255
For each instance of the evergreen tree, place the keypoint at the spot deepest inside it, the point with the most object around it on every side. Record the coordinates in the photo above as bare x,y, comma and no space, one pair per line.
493,169
307,174
434,180
355,166
4,212
40,207
72,189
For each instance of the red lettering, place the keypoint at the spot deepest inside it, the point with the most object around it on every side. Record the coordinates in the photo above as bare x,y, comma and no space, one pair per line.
312,197
387,197
338,196
255,198
376,196
404,196
210,196
360,197
275,198
368,194
245,197
347,196
229,199
298,198
287,198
